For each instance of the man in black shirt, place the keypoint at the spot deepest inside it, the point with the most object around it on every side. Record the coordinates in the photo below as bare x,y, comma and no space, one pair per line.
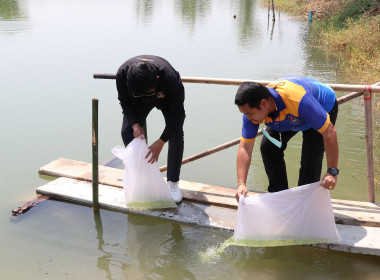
144,82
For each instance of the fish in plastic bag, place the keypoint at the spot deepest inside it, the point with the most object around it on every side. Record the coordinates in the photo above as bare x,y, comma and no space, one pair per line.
296,216
143,183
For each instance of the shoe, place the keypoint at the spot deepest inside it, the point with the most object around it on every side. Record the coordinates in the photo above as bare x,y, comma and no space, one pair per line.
174,191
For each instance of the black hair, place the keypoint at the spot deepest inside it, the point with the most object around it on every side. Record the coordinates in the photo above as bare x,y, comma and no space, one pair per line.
141,77
251,93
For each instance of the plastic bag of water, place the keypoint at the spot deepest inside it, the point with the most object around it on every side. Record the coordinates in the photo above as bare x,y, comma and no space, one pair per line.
296,216
143,183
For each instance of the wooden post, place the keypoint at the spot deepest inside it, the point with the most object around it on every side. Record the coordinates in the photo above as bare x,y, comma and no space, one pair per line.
95,166
369,142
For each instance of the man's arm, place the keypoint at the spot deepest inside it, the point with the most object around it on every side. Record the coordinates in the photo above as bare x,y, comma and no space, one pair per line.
126,102
244,156
330,141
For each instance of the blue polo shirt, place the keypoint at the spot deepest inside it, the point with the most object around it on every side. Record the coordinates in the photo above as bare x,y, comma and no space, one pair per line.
301,103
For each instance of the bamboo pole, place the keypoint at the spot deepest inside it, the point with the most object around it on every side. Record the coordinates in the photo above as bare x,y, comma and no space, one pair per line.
210,151
369,142
369,135
354,95
349,97
104,76
222,81
95,165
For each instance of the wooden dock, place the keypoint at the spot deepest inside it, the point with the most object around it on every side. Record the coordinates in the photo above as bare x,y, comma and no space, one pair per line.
204,205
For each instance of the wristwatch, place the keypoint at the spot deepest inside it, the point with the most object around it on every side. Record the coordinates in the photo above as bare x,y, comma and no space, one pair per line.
333,171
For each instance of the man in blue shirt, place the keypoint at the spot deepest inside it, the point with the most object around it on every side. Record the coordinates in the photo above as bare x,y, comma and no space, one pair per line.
287,106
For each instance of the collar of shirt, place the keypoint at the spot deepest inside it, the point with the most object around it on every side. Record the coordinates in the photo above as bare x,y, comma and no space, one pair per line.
280,105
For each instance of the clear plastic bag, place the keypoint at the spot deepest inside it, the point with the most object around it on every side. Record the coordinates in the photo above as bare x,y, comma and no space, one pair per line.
143,183
301,215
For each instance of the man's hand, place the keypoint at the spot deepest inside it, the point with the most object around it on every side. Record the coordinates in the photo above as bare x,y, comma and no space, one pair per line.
241,191
243,162
329,181
137,130
330,141
155,150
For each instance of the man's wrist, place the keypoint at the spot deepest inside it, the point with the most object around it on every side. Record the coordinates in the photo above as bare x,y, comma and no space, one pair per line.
244,184
162,143
333,171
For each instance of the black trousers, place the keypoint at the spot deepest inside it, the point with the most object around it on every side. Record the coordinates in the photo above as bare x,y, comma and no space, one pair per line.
176,141
311,157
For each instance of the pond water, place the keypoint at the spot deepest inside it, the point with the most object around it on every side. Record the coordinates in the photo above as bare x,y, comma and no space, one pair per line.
49,51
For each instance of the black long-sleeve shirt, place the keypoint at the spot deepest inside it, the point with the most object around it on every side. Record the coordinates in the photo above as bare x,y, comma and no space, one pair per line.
170,93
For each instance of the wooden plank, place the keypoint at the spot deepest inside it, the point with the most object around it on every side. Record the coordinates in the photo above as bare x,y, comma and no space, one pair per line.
356,212
27,206
345,211
63,167
355,239
192,191
112,198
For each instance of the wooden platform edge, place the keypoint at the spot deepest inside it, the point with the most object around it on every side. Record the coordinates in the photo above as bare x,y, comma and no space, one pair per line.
355,239
345,211
192,191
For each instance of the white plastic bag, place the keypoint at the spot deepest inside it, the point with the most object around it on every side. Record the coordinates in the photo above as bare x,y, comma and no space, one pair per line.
143,183
301,215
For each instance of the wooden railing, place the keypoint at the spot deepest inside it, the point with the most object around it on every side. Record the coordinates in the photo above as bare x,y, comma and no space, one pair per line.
357,91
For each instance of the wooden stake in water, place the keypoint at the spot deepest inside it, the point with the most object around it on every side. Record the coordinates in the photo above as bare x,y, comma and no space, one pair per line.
369,142
95,166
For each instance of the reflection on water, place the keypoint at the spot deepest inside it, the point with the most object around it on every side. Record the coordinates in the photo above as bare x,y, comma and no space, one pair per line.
13,10
159,249
13,17
272,29
144,10
104,260
246,19
193,11
58,240
165,251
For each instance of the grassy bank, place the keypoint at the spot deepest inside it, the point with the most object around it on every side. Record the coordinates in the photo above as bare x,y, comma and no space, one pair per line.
351,30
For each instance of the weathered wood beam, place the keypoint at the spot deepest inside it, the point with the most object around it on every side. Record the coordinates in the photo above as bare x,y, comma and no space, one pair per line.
27,206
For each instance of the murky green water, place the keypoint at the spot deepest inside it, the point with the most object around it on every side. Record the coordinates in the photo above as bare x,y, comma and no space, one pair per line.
49,51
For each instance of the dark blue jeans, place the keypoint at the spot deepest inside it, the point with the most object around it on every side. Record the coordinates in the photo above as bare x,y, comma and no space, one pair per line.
176,141
311,158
